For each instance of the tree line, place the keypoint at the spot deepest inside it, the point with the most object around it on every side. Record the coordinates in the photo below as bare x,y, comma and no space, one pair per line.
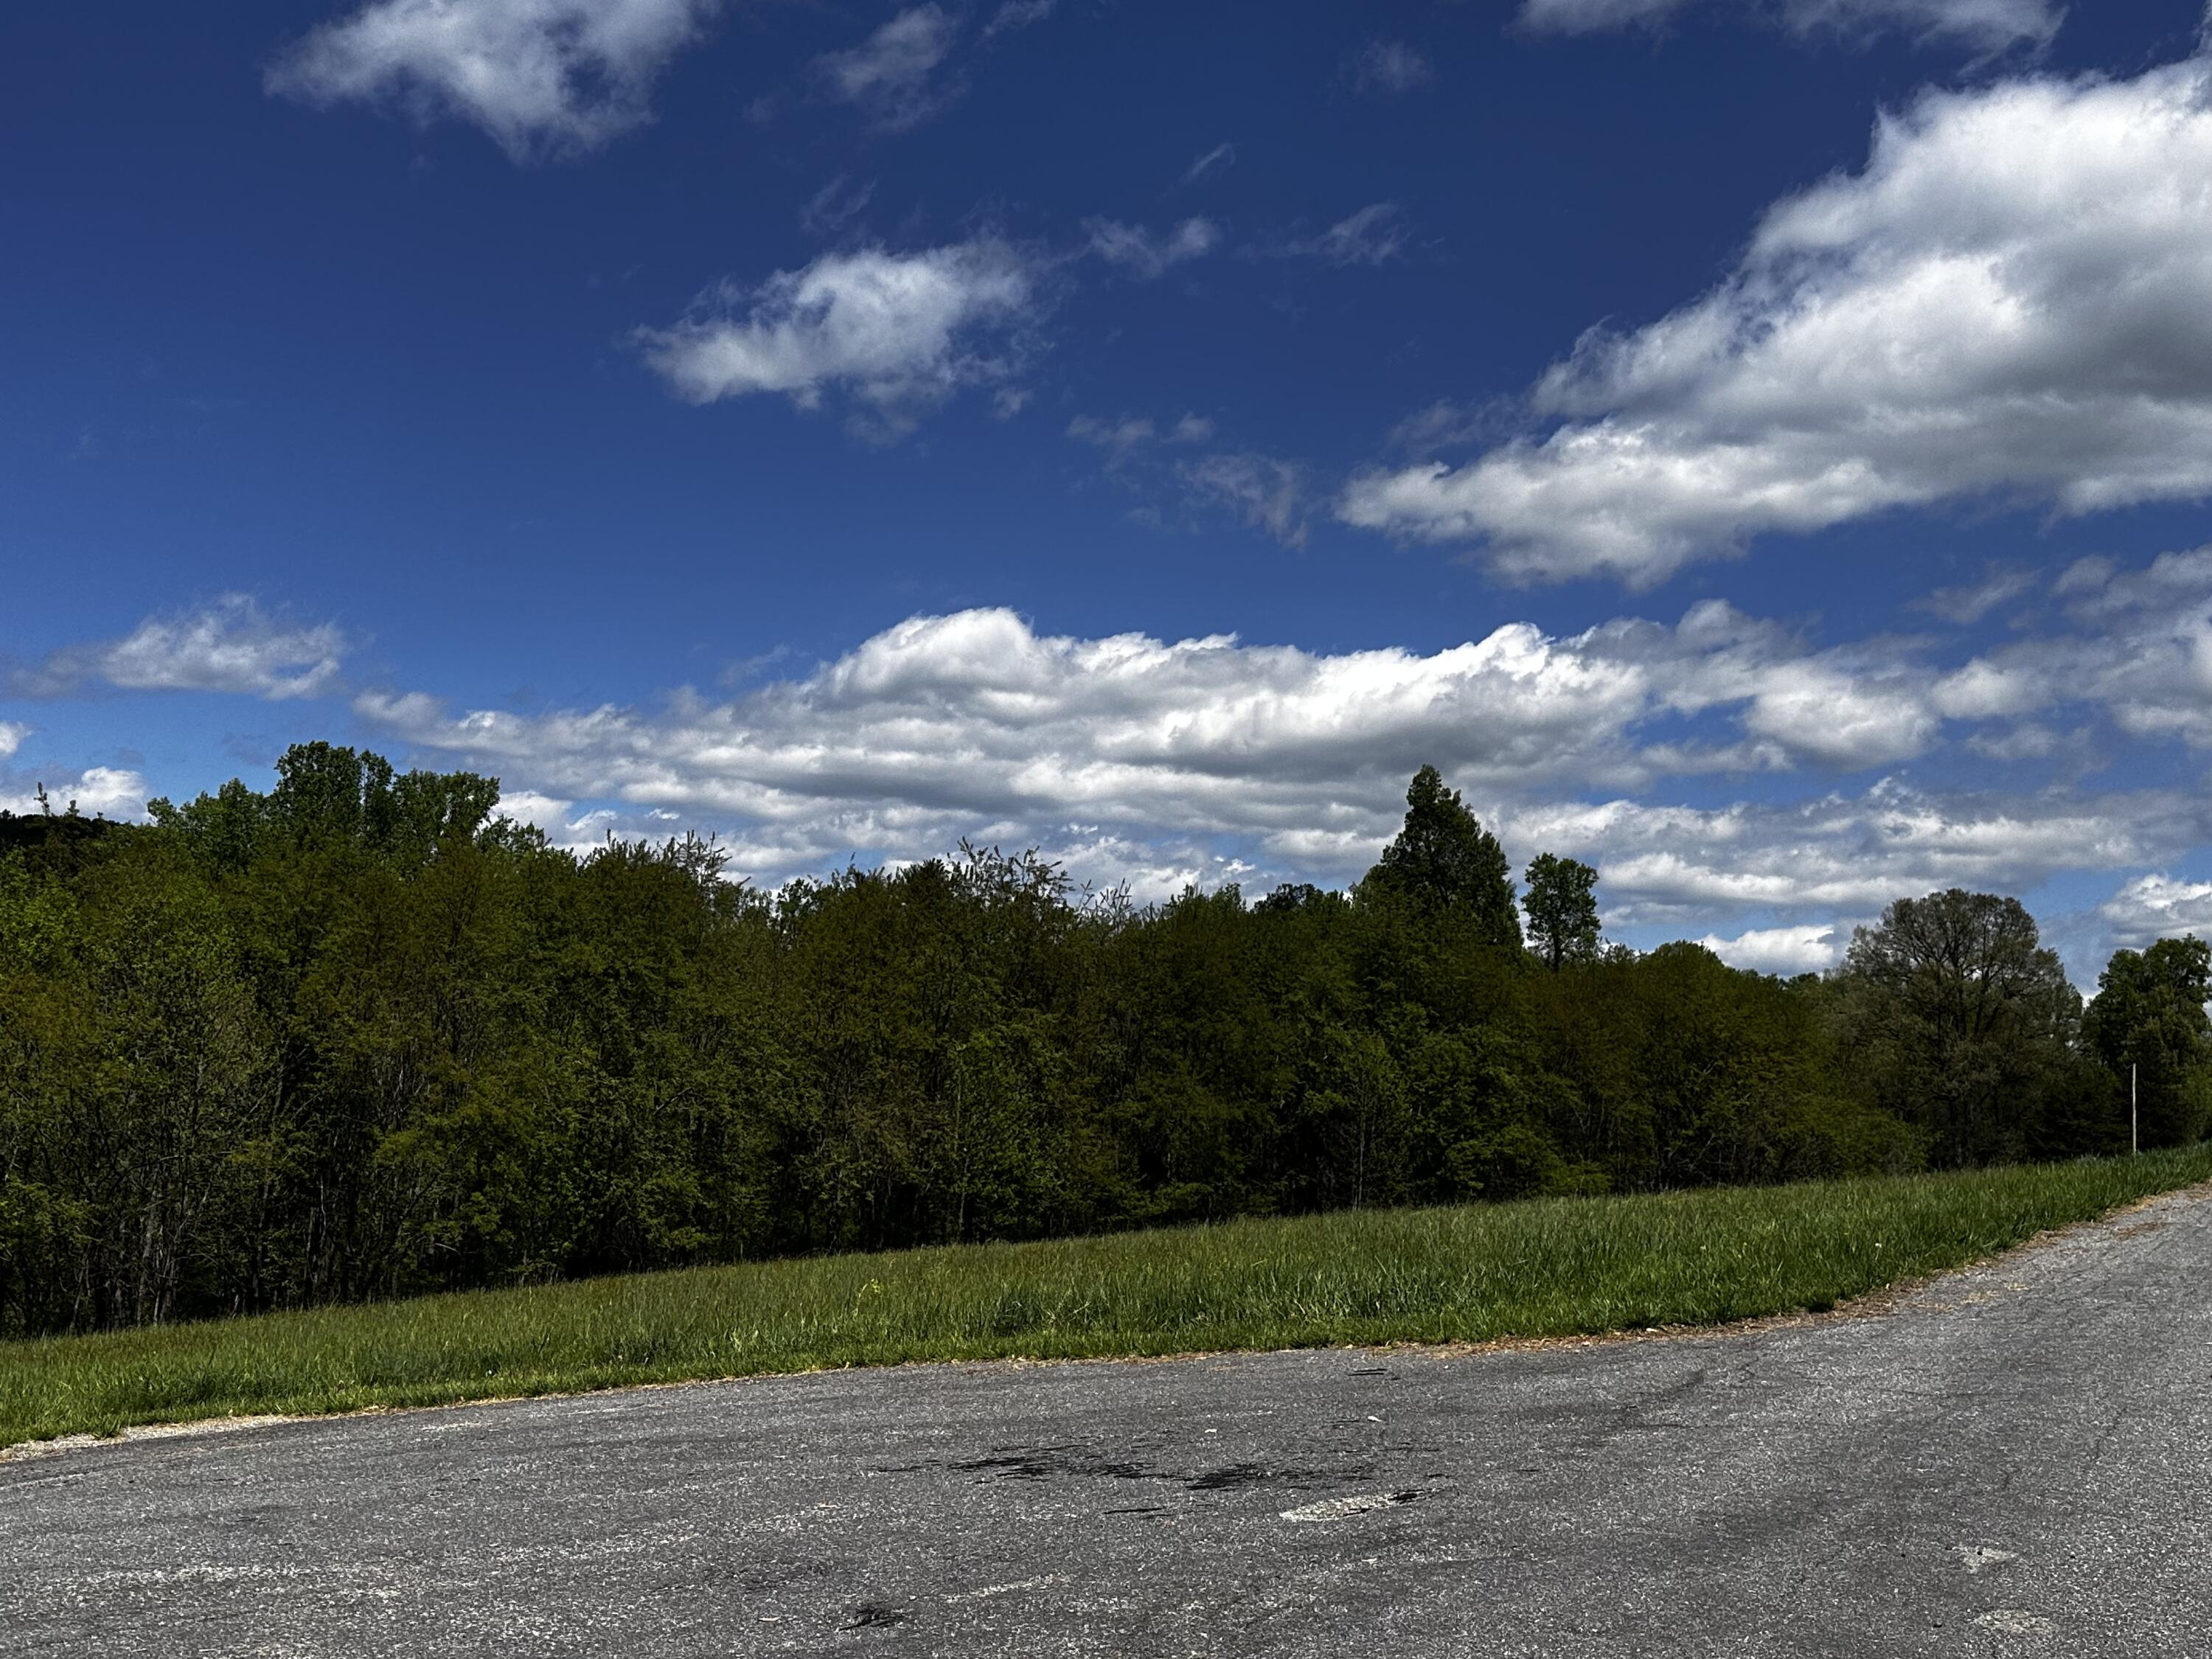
358,1036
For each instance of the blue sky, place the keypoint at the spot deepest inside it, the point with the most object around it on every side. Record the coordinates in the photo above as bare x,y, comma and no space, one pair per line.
1760,446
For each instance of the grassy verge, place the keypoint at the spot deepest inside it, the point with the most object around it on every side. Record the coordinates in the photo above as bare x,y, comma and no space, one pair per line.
1552,1268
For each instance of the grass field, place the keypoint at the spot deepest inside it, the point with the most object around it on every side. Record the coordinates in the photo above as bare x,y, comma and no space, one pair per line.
1555,1267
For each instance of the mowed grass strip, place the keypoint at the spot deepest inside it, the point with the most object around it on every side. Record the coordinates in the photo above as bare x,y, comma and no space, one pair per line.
1555,1267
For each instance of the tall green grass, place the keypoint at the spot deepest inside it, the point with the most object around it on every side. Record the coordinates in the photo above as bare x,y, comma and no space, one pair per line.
1554,1267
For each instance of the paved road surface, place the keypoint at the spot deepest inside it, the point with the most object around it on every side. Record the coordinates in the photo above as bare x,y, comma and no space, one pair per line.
2017,1461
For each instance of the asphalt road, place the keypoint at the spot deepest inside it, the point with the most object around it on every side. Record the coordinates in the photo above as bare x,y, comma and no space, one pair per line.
2016,1460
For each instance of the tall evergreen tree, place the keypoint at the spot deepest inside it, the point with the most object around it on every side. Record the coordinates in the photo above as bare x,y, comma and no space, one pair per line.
1562,905
1444,863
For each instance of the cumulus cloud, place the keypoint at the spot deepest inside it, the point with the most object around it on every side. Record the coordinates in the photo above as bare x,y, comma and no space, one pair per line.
2155,907
1850,854
946,726
2139,654
541,76
1390,66
1990,24
898,332
12,734
106,792
1810,948
892,76
1143,254
976,724
231,645
2005,303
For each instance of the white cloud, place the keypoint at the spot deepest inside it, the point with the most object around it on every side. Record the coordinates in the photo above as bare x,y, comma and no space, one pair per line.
1017,15
945,724
899,332
1268,494
2141,653
2155,907
1810,948
557,818
836,205
1375,235
1119,439
1145,255
1972,601
231,645
1219,157
12,734
106,792
2007,302
1987,23
890,75
1207,759
1849,856
541,76
1390,66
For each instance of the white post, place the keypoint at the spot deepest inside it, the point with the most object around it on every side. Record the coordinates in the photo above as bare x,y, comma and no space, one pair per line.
2135,1138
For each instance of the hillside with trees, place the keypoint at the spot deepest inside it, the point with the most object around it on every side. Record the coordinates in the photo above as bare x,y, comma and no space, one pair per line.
358,1037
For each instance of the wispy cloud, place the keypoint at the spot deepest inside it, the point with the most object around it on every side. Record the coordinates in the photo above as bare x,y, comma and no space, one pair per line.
1970,602
1987,24
1017,15
1389,66
542,77
836,206
1218,159
892,76
1375,235
1145,255
1267,493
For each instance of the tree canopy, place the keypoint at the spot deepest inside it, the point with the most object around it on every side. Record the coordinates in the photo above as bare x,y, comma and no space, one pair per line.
356,1036
1562,904
1444,863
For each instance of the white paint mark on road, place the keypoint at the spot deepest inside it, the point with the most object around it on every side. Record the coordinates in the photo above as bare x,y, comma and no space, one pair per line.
2015,1621
1339,1509
1979,1558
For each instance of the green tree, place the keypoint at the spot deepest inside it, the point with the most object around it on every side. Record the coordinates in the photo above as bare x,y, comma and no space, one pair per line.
2148,1019
1444,863
1562,905
1955,1016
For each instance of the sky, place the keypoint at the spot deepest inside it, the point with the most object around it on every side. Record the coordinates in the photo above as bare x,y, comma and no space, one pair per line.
1760,447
